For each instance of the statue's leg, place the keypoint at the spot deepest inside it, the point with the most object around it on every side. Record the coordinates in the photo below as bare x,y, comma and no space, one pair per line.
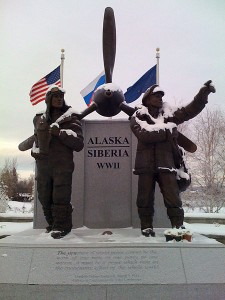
62,208
44,189
171,195
145,200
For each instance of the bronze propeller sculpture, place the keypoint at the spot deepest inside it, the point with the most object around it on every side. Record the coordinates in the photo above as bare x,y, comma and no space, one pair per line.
108,100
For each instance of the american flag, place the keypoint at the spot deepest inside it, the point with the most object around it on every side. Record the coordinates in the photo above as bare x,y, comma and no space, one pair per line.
39,89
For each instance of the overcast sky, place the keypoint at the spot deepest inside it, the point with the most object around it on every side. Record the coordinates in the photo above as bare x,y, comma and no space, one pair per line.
189,33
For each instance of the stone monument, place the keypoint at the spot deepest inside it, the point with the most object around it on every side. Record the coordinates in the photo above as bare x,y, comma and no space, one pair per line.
88,265
104,189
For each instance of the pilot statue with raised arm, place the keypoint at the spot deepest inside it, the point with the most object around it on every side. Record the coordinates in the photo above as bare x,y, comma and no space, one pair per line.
159,157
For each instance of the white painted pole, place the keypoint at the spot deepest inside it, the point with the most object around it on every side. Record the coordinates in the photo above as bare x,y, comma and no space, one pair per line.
157,65
62,66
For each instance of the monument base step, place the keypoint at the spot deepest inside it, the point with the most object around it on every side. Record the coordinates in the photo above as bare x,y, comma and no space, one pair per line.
113,292
124,265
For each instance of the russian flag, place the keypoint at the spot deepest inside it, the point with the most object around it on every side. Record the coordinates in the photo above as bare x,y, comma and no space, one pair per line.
88,91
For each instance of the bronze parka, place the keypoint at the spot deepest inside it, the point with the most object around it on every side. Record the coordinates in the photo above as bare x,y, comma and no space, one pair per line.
58,148
157,149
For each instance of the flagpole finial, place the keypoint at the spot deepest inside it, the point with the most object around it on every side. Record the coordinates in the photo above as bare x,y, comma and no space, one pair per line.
62,54
157,52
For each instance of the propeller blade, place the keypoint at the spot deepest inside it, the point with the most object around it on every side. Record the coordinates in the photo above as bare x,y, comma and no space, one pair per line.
187,144
87,111
127,109
109,43
27,144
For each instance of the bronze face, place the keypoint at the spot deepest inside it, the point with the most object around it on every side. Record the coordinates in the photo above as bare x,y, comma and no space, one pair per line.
154,100
57,100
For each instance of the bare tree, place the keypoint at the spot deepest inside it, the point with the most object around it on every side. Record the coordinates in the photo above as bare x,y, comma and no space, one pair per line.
208,162
3,198
9,178
26,185
12,185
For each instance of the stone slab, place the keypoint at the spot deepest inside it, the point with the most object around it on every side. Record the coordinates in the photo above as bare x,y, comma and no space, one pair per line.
113,292
15,264
167,292
205,266
129,265
51,292
83,259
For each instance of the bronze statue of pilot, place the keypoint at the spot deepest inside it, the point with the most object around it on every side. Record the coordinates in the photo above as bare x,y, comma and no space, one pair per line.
57,133
159,157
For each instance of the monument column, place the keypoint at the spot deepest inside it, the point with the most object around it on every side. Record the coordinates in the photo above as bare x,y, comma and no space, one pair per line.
104,189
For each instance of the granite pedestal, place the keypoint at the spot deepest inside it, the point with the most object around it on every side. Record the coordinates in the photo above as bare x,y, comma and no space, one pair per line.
124,265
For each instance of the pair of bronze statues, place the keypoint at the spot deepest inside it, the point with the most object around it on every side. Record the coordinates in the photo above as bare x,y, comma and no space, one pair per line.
58,132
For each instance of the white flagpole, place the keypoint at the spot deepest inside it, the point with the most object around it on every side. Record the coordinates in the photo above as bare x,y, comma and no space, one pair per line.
157,65
62,66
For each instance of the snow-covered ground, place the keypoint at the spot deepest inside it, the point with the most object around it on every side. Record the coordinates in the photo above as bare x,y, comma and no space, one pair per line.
207,229
9,228
84,235
17,210
20,209
199,212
